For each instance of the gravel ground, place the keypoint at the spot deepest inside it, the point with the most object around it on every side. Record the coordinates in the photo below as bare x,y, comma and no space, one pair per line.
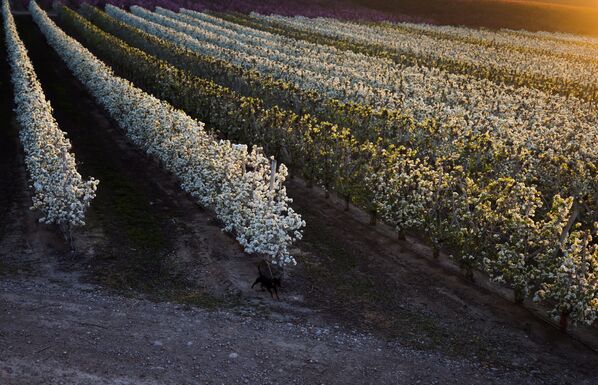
60,334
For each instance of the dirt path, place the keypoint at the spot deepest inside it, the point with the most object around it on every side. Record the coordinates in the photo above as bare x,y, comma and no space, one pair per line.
130,305
53,334
10,157
18,224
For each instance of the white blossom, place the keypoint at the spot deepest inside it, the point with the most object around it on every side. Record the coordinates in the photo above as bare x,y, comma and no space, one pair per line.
60,193
233,180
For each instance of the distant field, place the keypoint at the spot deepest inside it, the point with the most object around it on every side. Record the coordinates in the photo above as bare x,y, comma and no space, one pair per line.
570,16
570,3
575,16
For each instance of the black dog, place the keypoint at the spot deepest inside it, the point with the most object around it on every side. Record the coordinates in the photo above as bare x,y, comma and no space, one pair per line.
271,284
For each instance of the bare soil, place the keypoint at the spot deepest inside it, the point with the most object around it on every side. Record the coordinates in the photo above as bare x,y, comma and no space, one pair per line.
9,148
579,17
157,293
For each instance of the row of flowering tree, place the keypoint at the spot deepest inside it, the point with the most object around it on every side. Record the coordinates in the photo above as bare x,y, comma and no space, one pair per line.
59,191
462,188
549,137
244,187
560,69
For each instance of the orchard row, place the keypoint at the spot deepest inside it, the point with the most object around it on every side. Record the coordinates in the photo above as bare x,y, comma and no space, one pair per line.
505,177
243,186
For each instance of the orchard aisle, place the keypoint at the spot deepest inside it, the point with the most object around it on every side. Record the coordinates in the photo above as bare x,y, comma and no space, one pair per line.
12,184
140,217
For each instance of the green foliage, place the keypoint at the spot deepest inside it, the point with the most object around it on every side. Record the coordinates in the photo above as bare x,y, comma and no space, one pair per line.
496,74
463,189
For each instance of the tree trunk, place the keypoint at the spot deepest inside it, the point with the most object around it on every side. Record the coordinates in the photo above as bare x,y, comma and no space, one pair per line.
347,201
401,235
519,296
67,233
373,218
469,273
435,250
567,228
564,321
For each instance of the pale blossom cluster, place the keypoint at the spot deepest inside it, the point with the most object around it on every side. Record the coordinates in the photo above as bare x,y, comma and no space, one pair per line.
558,37
60,192
245,189
534,121
573,279
496,228
415,91
403,191
473,195
503,39
412,42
